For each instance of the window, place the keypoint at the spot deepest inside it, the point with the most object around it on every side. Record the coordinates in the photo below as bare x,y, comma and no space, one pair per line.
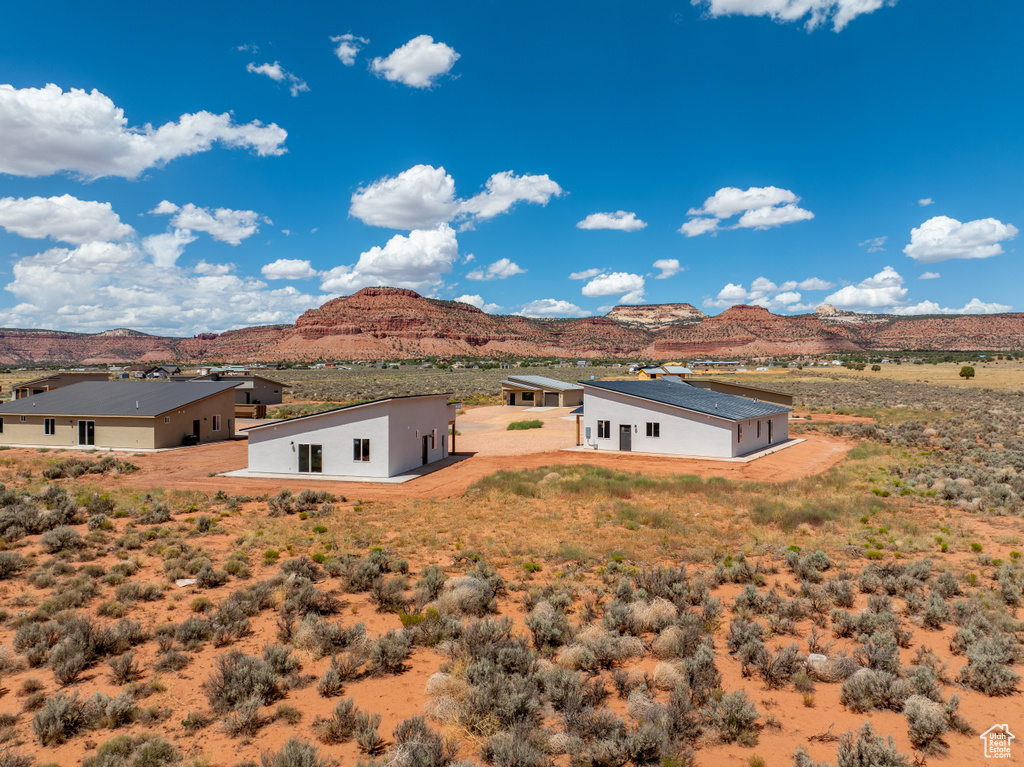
216,421
759,430
1,425
23,419
527,396
739,432
360,450
433,439
604,429
50,426
653,429
311,459
167,419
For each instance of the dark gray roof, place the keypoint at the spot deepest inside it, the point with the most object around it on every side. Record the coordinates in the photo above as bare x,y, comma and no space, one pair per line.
737,384
115,398
577,411
542,382
726,406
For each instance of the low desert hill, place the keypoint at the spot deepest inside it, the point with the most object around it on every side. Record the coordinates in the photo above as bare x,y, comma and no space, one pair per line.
391,323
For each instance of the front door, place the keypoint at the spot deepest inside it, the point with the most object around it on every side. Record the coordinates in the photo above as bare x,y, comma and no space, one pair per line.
625,437
195,429
511,398
86,432
771,433
426,446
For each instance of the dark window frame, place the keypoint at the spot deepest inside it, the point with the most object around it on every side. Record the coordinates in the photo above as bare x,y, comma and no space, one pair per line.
654,429
604,429
361,449
49,426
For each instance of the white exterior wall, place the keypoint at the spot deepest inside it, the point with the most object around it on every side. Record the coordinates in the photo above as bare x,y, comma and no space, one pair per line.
390,426
682,432
411,420
751,442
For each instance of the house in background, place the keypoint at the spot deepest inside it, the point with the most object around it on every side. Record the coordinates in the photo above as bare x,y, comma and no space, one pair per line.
381,439
55,381
540,391
252,392
129,416
650,373
677,419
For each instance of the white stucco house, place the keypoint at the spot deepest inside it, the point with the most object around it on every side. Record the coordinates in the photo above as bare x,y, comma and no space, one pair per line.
665,417
383,438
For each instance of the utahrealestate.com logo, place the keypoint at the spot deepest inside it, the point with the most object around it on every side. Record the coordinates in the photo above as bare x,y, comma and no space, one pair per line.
997,740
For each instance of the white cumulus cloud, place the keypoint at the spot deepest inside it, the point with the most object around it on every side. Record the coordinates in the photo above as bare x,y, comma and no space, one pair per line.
289,269
46,131
763,292
818,12
551,307
103,285
924,202
419,63
619,220
417,262
930,276
279,74
882,291
424,196
223,224
942,238
630,285
64,218
166,249
974,306
505,189
479,303
499,270
760,208
348,47
667,267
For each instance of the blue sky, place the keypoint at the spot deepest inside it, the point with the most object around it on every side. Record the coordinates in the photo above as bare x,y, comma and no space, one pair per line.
225,165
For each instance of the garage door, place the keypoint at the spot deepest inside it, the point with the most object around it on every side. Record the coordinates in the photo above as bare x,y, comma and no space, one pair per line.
550,399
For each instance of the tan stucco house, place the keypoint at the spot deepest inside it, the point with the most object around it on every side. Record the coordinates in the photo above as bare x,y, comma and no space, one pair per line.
119,415
56,381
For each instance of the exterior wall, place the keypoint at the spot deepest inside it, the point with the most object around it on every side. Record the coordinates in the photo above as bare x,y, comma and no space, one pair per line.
262,391
127,433
505,392
682,432
751,442
171,434
572,398
390,426
411,420
274,448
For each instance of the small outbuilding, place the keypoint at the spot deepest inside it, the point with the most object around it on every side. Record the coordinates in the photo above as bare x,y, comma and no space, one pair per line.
383,438
540,391
676,419
55,381
250,389
120,415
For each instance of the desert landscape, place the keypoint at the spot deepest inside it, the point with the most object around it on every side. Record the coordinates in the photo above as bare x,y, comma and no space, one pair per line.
851,599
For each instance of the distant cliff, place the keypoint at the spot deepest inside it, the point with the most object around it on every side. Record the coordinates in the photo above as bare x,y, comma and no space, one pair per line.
391,323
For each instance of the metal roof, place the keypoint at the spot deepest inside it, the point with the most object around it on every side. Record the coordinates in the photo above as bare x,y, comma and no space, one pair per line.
345,408
518,385
677,369
541,382
113,398
71,375
727,406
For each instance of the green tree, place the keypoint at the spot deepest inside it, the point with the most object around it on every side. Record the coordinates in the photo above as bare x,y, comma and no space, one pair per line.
967,372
